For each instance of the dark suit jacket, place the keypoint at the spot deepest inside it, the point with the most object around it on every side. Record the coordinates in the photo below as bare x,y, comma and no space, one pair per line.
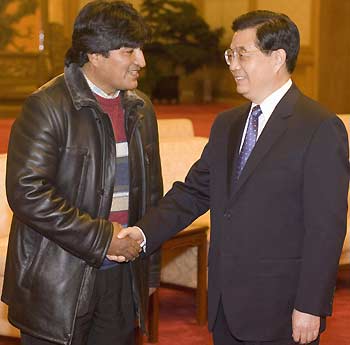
276,234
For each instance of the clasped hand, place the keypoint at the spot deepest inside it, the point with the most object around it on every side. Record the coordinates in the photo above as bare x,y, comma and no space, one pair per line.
125,244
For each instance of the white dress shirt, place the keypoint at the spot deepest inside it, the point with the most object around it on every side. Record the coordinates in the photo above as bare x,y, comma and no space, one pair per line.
267,107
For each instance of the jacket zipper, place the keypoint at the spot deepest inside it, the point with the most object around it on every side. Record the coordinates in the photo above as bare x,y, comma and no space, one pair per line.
103,177
102,134
135,131
143,172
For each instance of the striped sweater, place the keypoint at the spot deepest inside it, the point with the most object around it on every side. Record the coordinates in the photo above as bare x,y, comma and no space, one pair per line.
120,202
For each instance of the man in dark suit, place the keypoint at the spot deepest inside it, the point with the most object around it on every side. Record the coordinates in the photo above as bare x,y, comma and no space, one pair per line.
275,176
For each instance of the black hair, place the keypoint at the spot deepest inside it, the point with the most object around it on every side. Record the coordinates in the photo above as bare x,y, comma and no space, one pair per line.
102,26
273,31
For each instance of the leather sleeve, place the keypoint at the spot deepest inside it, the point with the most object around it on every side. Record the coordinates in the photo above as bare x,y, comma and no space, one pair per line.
155,185
33,161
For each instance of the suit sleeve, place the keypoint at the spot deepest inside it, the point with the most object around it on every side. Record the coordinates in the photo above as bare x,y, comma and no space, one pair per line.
325,190
180,206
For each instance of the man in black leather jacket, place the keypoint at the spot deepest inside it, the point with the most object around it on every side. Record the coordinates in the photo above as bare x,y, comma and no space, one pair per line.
83,161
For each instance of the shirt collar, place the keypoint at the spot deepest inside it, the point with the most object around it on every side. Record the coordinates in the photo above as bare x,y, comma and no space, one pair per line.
269,103
95,89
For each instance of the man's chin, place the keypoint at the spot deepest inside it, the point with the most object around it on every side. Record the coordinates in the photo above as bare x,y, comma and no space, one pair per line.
133,85
130,86
240,90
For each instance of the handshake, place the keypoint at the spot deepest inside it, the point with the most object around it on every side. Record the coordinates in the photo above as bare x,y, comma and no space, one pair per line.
126,244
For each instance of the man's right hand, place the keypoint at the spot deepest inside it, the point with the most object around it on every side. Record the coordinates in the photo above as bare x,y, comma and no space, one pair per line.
132,232
122,249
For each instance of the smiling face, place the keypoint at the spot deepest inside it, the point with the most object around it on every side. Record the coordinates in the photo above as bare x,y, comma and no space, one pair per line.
257,74
119,71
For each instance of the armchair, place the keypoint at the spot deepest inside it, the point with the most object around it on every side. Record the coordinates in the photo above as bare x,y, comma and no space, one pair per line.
184,257
345,256
6,328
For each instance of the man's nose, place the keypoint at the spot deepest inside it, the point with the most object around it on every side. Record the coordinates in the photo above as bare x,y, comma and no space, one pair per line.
234,63
140,58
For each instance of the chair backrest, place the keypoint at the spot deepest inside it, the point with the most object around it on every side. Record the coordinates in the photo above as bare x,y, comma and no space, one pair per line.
5,211
345,257
178,156
175,128
346,120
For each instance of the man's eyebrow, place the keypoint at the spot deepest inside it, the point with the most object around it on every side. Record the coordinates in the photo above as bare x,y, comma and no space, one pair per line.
240,48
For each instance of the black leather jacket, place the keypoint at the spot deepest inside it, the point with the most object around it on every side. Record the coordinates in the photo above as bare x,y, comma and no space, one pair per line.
60,177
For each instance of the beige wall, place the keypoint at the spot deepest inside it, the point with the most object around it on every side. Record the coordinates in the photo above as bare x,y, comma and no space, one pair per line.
216,12
220,13
298,10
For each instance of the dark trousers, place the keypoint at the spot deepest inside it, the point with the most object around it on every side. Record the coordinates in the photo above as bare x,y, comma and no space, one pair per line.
110,319
223,336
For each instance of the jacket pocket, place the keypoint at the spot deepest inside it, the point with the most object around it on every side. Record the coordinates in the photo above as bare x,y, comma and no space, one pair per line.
35,245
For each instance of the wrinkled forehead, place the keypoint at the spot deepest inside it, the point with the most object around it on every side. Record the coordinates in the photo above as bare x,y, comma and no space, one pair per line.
244,39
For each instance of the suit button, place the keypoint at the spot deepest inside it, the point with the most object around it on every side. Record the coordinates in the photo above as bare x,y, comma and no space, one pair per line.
227,214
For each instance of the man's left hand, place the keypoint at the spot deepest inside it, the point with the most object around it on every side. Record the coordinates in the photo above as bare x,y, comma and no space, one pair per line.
306,327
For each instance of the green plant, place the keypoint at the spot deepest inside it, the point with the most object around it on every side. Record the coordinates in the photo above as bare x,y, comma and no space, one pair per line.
8,19
181,40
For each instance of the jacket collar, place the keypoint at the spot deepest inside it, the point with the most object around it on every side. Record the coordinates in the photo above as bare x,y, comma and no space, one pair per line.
273,130
82,95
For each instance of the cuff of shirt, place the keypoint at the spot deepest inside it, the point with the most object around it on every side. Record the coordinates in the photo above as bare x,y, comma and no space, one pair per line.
143,243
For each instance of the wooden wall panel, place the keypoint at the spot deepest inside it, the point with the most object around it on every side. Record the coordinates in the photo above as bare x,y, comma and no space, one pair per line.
304,74
334,55
322,70
220,13
300,11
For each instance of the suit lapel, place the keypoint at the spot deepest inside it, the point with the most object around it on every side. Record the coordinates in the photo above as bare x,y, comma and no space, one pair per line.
274,129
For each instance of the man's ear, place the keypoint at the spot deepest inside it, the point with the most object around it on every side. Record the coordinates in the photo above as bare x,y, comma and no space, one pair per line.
279,58
93,58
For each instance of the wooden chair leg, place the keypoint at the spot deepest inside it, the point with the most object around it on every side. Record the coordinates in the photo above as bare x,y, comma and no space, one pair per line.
201,291
153,317
138,336
195,237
